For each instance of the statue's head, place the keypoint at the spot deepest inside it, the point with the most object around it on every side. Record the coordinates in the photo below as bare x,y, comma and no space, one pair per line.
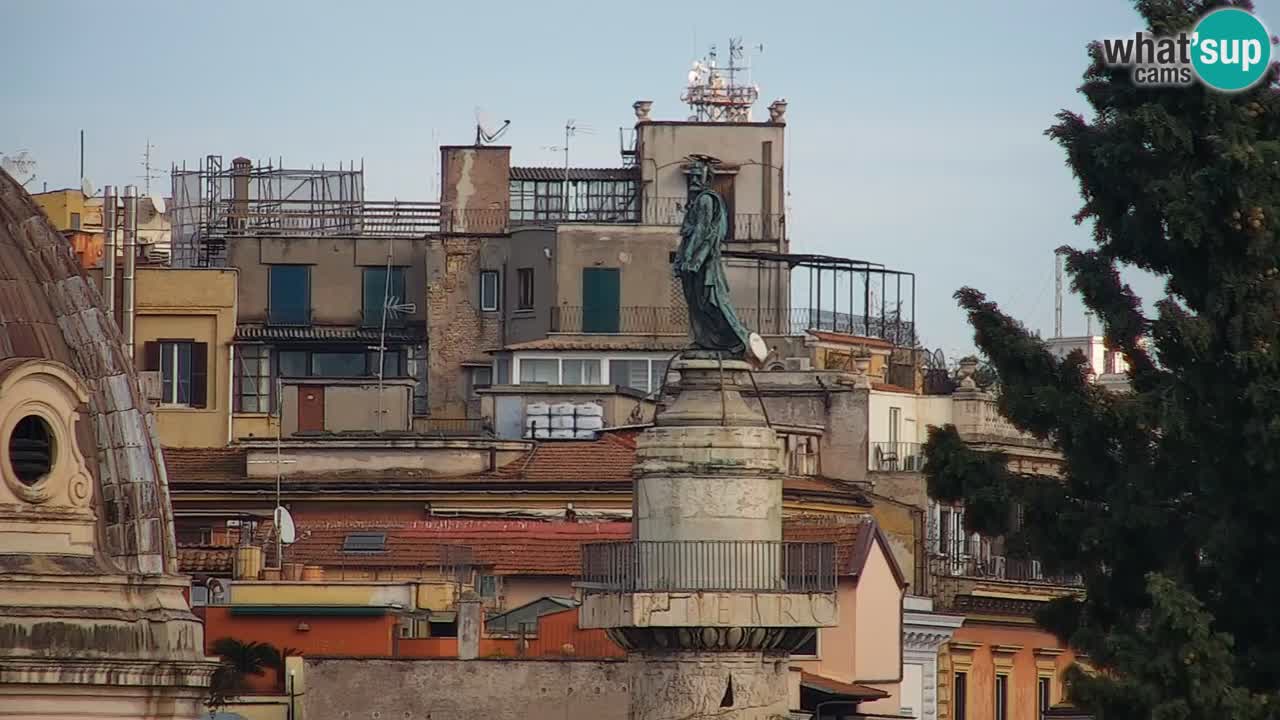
700,176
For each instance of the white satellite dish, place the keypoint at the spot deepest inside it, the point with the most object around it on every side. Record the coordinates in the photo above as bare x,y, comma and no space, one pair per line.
157,201
758,349
86,187
284,522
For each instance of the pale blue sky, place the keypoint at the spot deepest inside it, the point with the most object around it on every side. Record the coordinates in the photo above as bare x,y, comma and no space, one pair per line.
915,128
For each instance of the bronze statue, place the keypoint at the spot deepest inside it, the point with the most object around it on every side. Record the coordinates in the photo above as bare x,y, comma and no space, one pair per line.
712,318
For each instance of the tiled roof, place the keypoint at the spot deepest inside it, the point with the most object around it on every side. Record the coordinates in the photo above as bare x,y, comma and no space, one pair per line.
530,547
609,458
327,334
503,547
204,464
557,174
830,686
205,559
604,343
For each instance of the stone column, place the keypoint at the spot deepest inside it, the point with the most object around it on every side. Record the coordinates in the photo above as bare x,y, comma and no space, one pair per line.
470,622
707,598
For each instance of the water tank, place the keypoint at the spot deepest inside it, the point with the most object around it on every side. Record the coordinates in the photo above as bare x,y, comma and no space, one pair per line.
562,422
537,421
585,434
542,433
563,434
588,410
562,408
537,408
590,422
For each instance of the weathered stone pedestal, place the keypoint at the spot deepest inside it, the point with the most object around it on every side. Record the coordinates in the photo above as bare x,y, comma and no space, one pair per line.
707,597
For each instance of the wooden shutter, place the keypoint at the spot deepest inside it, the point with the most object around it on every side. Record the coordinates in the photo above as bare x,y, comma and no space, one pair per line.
151,355
199,374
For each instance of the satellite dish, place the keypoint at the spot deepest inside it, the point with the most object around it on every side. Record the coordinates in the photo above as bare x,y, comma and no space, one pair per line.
758,349
86,187
284,522
157,202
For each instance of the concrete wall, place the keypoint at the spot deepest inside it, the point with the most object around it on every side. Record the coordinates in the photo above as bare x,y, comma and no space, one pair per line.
353,404
337,274
366,636
663,146
441,457
795,398
642,254
467,689
529,248
878,617
200,305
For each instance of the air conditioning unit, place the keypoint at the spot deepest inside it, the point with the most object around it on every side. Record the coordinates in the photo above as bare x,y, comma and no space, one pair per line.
149,384
798,364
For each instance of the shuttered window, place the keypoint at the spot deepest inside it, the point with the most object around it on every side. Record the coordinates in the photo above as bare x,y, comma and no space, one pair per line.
184,371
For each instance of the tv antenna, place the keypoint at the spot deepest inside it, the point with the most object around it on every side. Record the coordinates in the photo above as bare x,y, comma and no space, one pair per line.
147,174
21,166
714,94
483,136
571,128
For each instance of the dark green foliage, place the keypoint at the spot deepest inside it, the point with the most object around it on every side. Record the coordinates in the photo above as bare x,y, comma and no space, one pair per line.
1168,501
239,660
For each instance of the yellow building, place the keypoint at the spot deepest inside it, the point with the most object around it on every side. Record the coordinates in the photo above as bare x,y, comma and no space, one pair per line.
68,209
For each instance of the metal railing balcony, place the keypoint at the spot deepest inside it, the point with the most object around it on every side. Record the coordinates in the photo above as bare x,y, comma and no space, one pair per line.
674,320
955,563
709,565
896,457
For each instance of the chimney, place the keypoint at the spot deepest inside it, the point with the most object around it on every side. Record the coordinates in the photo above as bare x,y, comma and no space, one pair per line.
240,169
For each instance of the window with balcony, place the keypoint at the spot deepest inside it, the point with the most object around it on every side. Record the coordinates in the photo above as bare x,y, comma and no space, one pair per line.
289,295
524,288
252,379
381,289
489,290
183,367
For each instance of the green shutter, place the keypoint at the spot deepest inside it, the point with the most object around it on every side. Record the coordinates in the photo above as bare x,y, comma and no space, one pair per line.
600,298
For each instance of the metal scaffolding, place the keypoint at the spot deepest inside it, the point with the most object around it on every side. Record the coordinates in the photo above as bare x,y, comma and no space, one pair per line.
212,205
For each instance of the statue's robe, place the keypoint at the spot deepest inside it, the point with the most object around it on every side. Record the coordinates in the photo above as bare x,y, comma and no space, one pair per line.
712,318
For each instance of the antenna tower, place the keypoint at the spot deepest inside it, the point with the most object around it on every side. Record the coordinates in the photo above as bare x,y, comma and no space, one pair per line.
714,94
147,170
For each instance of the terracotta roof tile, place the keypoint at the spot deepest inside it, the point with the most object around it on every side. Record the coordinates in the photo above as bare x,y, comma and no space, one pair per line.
657,343
204,464
202,559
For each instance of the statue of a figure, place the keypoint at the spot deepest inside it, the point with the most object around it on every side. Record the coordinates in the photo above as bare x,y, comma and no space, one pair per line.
712,318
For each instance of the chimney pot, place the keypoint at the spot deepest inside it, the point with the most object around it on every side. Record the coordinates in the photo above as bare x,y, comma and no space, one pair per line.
778,111
642,108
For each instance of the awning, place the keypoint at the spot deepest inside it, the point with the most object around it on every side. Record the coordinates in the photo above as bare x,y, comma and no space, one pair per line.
838,690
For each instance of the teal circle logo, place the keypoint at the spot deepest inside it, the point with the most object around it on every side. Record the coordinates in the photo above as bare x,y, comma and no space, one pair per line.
1231,50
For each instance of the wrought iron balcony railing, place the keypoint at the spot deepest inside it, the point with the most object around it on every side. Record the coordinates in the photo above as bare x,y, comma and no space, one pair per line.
955,562
709,565
674,320
896,457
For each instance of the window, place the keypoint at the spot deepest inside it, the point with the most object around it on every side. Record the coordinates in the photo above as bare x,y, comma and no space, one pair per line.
416,368
364,543
630,373
392,364
378,292
479,378
809,648
487,585
1042,694
338,364
581,372
293,364
657,373
895,422
289,301
540,371
1002,697
524,288
960,696
252,379
502,369
183,366
488,290
588,200
75,221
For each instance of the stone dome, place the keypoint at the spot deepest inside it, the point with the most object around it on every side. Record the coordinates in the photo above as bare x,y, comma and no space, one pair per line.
91,603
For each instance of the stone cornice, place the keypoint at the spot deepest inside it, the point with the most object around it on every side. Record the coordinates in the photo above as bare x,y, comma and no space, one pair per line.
102,671
1005,649
925,640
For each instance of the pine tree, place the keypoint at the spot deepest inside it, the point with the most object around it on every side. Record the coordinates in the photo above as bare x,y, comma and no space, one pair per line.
1168,502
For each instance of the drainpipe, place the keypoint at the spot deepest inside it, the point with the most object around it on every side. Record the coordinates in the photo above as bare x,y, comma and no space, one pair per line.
109,249
130,255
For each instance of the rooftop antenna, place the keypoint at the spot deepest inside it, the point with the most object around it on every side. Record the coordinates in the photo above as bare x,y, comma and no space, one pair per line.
147,174
483,136
571,128
714,93
392,306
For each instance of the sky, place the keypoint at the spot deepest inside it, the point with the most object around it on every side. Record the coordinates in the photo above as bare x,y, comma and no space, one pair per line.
914,135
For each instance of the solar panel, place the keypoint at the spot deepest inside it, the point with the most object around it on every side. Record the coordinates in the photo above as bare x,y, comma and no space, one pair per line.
365,543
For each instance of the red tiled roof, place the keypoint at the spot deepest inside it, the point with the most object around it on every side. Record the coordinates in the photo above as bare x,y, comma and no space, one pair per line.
657,343
609,458
200,559
835,687
506,547
209,464
854,539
